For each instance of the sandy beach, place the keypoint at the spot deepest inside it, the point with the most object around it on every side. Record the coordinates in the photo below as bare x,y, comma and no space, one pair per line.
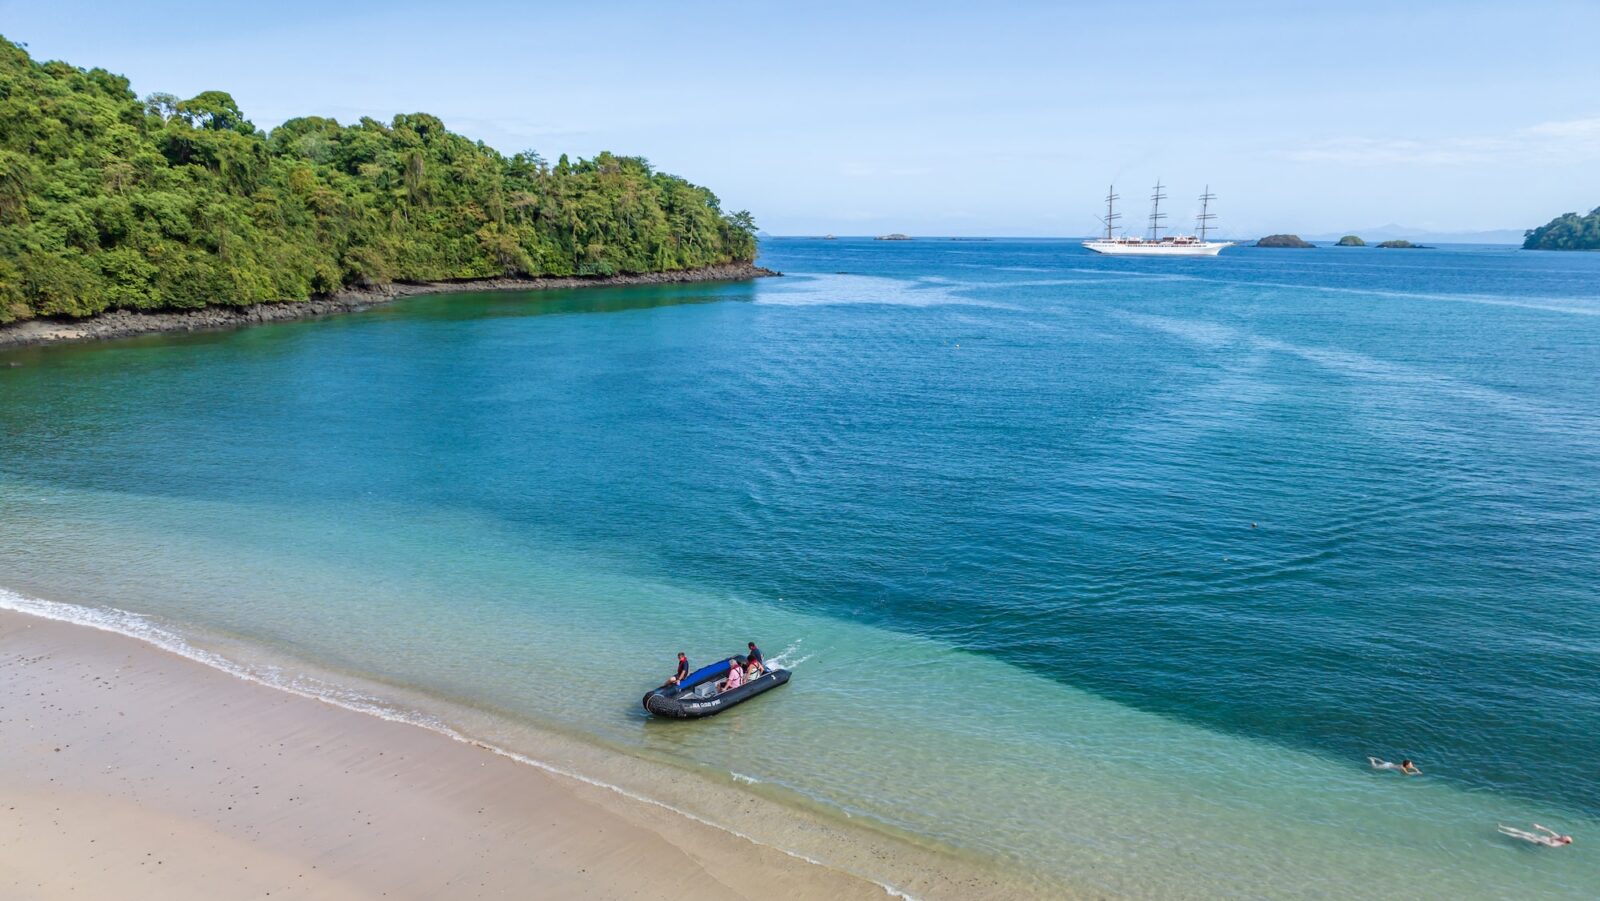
131,772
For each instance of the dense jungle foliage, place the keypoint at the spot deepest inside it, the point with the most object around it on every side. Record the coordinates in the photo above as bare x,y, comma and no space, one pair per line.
1567,232
110,202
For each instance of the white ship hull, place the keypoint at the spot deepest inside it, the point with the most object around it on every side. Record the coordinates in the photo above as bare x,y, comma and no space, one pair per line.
1158,248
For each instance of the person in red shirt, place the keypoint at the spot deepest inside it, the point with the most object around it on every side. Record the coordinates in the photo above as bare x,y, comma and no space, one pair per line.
683,670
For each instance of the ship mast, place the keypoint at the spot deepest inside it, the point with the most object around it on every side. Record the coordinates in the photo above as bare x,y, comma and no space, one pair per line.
1155,212
1111,212
1203,221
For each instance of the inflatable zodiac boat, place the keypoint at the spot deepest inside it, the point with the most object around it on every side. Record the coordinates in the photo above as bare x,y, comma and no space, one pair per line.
698,696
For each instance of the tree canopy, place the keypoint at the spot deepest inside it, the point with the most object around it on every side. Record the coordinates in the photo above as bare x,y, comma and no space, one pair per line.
1566,232
110,202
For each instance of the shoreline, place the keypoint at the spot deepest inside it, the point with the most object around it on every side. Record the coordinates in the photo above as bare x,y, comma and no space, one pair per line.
114,324
773,837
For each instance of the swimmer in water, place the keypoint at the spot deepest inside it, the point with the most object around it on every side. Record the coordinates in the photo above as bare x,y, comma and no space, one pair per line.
1550,838
1405,766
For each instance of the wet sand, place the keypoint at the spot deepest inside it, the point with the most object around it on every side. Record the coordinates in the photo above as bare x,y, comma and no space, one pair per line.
131,772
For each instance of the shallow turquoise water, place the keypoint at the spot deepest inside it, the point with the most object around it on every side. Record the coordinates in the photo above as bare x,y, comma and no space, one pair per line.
1115,568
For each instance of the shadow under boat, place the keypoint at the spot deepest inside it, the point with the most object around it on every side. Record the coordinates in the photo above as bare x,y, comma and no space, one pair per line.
697,696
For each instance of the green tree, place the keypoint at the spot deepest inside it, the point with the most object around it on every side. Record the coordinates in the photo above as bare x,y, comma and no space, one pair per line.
109,202
214,110
1568,231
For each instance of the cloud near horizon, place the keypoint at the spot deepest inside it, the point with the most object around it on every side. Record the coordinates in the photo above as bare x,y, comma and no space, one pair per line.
1567,138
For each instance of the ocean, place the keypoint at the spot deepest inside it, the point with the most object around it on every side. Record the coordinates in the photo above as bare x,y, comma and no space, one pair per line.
1111,571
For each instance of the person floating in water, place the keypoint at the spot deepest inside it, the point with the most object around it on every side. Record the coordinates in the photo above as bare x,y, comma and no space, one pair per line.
735,675
683,670
754,659
1550,838
1405,766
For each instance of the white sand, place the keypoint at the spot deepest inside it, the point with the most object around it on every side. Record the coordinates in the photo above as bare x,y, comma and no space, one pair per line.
130,772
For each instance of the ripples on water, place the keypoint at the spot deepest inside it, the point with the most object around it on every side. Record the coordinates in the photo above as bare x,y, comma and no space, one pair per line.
1339,502
1081,502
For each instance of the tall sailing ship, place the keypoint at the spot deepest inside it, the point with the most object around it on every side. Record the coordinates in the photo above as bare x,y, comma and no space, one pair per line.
1155,245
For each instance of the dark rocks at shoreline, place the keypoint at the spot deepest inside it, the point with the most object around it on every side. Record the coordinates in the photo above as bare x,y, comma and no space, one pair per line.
1283,241
125,323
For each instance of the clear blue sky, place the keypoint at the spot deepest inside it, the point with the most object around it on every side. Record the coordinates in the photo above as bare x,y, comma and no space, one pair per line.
932,117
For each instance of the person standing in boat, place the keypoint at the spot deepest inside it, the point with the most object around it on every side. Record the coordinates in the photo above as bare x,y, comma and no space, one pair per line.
683,670
754,661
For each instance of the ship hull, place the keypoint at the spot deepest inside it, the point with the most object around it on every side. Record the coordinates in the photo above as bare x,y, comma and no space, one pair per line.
1153,249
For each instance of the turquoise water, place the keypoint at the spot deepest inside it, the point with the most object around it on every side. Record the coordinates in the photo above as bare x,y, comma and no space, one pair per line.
1115,570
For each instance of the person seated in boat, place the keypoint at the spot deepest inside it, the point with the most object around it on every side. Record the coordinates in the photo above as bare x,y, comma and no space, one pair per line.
735,676
682,673
754,662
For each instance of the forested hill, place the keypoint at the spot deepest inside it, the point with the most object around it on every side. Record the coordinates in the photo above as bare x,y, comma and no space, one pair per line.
107,201
1568,232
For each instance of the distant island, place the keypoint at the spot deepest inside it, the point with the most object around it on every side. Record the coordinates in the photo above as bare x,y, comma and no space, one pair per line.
1350,241
1402,244
1283,241
1373,234
112,203
1568,231
894,237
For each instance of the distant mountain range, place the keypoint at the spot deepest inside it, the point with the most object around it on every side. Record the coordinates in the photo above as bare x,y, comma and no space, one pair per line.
1392,231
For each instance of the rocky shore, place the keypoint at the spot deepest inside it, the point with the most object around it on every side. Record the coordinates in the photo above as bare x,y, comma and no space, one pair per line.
124,323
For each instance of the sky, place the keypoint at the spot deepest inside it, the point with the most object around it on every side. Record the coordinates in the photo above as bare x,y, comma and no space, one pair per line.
994,118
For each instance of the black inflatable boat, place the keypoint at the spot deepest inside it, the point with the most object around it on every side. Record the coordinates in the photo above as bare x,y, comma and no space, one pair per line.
697,695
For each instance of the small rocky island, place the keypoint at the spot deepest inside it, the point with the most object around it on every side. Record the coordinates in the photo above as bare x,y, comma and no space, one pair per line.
1402,244
894,237
1283,241
1350,241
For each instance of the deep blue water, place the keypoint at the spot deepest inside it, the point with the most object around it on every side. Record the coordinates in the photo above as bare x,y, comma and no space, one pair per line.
1340,501
1322,498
